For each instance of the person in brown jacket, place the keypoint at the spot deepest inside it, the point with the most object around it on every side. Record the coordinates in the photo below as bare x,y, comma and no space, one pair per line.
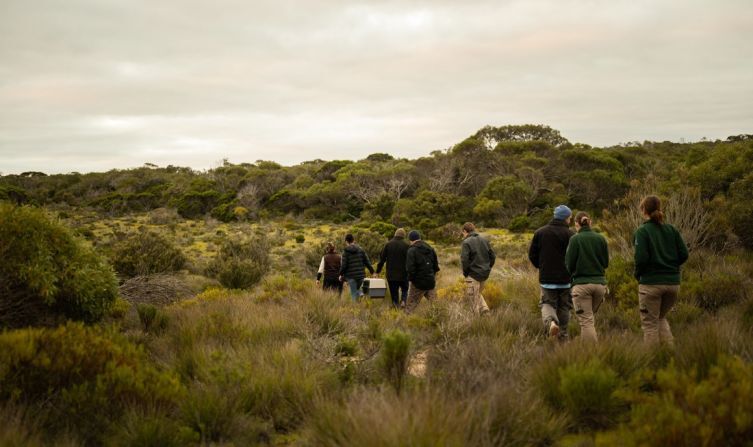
329,267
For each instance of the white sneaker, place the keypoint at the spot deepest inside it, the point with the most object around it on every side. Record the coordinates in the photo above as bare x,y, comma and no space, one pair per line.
554,330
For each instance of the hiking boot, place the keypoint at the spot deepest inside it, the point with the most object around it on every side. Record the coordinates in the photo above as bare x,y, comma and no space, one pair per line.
554,330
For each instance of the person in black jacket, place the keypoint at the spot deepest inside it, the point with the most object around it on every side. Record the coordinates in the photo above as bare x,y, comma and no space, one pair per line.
394,254
477,258
422,266
547,253
354,261
329,267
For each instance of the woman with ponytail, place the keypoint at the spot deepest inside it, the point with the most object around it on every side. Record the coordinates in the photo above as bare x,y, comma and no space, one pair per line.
659,253
586,259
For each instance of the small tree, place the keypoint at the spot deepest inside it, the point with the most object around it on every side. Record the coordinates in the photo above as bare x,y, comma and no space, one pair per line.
240,264
47,272
147,253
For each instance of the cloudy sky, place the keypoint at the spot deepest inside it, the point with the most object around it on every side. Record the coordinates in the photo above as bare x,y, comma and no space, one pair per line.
90,85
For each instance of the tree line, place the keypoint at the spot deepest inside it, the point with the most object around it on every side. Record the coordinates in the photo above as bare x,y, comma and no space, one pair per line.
509,176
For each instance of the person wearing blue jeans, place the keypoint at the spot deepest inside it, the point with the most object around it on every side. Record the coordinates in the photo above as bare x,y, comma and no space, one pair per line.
354,261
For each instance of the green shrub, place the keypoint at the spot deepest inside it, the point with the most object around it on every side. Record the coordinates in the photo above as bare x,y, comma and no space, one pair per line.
299,238
587,392
623,287
83,377
47,272
519,224
152,318
394,357
151,429
371,242
240,264
385,229
147,253
449,233
715,289
715,411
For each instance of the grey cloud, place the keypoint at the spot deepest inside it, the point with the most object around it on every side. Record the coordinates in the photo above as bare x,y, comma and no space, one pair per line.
102,84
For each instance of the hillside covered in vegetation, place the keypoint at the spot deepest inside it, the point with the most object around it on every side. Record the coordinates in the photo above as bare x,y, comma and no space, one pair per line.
161,306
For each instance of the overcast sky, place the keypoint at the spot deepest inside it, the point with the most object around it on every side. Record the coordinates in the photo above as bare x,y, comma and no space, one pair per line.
90,85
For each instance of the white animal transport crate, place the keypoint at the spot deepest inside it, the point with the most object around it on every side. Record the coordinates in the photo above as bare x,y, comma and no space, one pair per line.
375,287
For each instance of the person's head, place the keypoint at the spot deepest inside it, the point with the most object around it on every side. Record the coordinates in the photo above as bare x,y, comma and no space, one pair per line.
414,236
563,213
582,219
468,228
330,248
349,239
651,208
400,233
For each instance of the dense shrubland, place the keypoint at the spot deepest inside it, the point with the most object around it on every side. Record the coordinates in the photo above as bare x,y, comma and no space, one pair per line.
220,336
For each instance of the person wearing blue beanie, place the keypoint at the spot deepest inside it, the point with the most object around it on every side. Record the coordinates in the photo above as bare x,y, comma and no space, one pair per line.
547,253
562,212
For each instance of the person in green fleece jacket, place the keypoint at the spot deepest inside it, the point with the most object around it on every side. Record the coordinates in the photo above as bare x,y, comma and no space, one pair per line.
586,259
659,253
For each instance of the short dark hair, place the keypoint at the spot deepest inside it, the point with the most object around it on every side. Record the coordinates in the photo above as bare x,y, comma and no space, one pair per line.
349,238
468,227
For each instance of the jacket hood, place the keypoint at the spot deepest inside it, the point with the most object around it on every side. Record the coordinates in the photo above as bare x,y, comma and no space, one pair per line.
353,248
423,247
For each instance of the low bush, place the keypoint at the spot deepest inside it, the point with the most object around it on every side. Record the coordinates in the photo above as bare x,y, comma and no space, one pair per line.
394,357
46,272
450,233
147,253
588,393
152,319
717,410
240,264
84,378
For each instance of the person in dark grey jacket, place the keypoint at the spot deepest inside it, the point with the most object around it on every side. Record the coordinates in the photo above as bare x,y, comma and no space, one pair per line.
422,267
547,253
354,261
477,258
394,254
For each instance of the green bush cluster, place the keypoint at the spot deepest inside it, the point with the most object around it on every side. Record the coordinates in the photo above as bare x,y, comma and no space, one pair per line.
47,272
83,378
147,253
394,357
717,410
240,264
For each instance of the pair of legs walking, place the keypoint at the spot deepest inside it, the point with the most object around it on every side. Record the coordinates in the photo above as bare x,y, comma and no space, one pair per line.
398,292
654,302
355,288
333,284
474,297
555,308
415,295
587,299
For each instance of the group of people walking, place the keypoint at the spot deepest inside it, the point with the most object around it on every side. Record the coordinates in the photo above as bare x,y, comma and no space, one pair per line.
572,270
412,268
571,265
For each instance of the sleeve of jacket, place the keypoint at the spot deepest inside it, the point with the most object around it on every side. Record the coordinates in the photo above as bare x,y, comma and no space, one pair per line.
410,265
321,270
571,255
682,249
435,261
344,263
533,250
465,258
492,255
367,262
382,259
642,256
604,252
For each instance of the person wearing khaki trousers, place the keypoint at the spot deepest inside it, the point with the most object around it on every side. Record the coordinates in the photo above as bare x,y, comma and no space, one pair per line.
586,259
659,253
